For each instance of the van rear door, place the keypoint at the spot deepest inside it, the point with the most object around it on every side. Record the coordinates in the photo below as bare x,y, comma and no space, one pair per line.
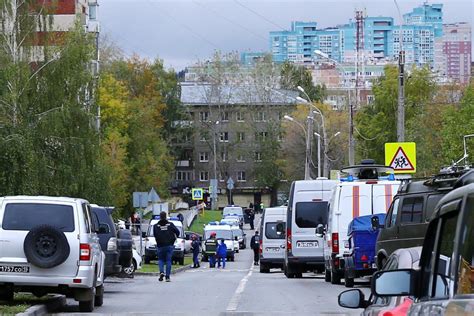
308,215
273,242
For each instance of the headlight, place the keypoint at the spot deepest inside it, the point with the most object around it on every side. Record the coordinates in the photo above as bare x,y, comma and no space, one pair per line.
112,244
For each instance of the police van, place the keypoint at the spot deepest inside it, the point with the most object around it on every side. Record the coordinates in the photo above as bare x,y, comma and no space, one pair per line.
368,189
179,245
222,232
307,210
272,240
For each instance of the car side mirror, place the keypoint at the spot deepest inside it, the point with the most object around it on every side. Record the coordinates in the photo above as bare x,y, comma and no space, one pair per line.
352,299
103,229
375,223
143,234
394,283
320,230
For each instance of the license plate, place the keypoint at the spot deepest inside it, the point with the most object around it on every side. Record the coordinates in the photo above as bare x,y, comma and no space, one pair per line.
307,244
272,249
14,269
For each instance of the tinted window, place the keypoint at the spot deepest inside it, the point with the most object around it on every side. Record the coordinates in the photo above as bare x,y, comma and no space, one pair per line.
412,210
441,279
271,231
393,212
465,276
431,204
311,214
25,216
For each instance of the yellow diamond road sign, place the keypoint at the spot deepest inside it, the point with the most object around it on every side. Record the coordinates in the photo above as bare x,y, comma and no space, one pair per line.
197,194
401,157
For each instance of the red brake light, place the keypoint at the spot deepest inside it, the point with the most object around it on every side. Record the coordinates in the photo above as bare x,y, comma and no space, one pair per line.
364,258
335,242
261,246
371,182
85,252
288,239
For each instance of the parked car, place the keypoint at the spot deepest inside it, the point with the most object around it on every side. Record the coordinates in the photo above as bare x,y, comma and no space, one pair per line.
444,282
235,211
360,259
50,245
135,265
273,231
222,232
231,221
407,220
117,245
179,244
240,235
307,210
380,306
365,191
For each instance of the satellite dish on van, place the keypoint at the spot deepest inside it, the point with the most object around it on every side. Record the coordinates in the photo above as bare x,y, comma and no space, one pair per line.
367,169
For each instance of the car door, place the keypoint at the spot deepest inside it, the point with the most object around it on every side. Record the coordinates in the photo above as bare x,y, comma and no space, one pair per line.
388,236
273,245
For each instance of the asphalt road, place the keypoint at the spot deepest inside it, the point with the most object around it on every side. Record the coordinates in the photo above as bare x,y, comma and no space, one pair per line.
239,289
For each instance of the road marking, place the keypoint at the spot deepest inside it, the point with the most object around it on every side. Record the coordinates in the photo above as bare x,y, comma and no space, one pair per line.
234,301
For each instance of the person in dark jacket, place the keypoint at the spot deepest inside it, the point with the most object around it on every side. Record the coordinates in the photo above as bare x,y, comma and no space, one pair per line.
165,235
211,248
221,253
195,247
252,219
255,245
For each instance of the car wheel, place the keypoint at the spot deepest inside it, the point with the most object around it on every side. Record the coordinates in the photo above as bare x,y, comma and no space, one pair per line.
264,269
147,260
87,306
131,269
327,275
335,278
349,282
6,294
99,297
46,247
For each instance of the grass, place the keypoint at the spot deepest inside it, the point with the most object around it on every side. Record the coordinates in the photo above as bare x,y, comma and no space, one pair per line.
20,304
201,220
153,267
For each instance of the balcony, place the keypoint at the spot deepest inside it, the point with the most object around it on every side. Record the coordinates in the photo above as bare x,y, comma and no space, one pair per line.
183,163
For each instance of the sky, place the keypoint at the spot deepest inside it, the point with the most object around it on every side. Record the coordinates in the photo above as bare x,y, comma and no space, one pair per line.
182,32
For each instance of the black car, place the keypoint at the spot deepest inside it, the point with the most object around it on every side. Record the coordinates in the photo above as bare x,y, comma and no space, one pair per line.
117,246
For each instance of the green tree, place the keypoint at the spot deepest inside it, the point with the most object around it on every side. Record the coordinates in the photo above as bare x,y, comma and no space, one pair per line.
293,76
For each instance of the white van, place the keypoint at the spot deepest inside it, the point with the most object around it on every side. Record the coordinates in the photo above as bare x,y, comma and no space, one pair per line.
179,245
272,241
307,209
222,232
364,192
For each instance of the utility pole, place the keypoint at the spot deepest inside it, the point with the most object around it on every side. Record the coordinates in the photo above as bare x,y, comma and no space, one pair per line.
309,131
401,96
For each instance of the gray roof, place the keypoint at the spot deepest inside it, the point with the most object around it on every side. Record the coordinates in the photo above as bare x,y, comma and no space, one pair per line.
207,94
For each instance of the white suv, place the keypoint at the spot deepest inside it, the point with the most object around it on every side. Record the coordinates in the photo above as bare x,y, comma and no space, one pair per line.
50,245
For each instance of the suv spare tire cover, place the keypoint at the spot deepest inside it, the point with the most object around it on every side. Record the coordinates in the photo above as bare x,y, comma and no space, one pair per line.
45,246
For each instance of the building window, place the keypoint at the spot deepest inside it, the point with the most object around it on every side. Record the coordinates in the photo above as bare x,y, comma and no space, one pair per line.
260,117
261,136
183,176
93,12
204,116
203,176
240,158
241,176
204,157
224,137
240,116
224,116
224,155
241,136
258,156
204,137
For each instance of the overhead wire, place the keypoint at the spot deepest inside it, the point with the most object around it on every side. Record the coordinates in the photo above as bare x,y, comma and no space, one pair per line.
258,14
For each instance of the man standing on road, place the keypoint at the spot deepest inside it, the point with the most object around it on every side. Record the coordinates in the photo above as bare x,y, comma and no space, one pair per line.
251,219
165,235
211,248
195,247
255,245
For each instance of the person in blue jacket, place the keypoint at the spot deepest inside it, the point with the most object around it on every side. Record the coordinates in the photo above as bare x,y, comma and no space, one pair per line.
221,253
195,247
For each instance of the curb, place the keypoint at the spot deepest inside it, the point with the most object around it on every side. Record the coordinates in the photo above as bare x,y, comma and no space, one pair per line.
184,268
55,302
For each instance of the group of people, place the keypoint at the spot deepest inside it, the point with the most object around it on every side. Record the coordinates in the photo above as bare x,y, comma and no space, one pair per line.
165,233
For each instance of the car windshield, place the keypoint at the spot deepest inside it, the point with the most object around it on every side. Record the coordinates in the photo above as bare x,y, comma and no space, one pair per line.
230,221
225,234
233,210
237,232
25,216
150,231
311,214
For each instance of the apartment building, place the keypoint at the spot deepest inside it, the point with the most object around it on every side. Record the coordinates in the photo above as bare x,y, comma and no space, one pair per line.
456,52
229,126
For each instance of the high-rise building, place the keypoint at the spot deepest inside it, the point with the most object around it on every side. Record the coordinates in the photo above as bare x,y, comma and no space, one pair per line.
456,52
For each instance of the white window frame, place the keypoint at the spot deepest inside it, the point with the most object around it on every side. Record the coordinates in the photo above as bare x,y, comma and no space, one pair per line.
240,116
241,176
241,136
203,176
224,137
241,158
204,156
204,116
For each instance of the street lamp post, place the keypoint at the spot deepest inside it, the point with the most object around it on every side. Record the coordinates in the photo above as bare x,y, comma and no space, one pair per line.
319,154
350,106
308,147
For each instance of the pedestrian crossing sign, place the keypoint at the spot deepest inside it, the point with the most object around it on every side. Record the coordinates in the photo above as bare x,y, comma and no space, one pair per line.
197,194
401,157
